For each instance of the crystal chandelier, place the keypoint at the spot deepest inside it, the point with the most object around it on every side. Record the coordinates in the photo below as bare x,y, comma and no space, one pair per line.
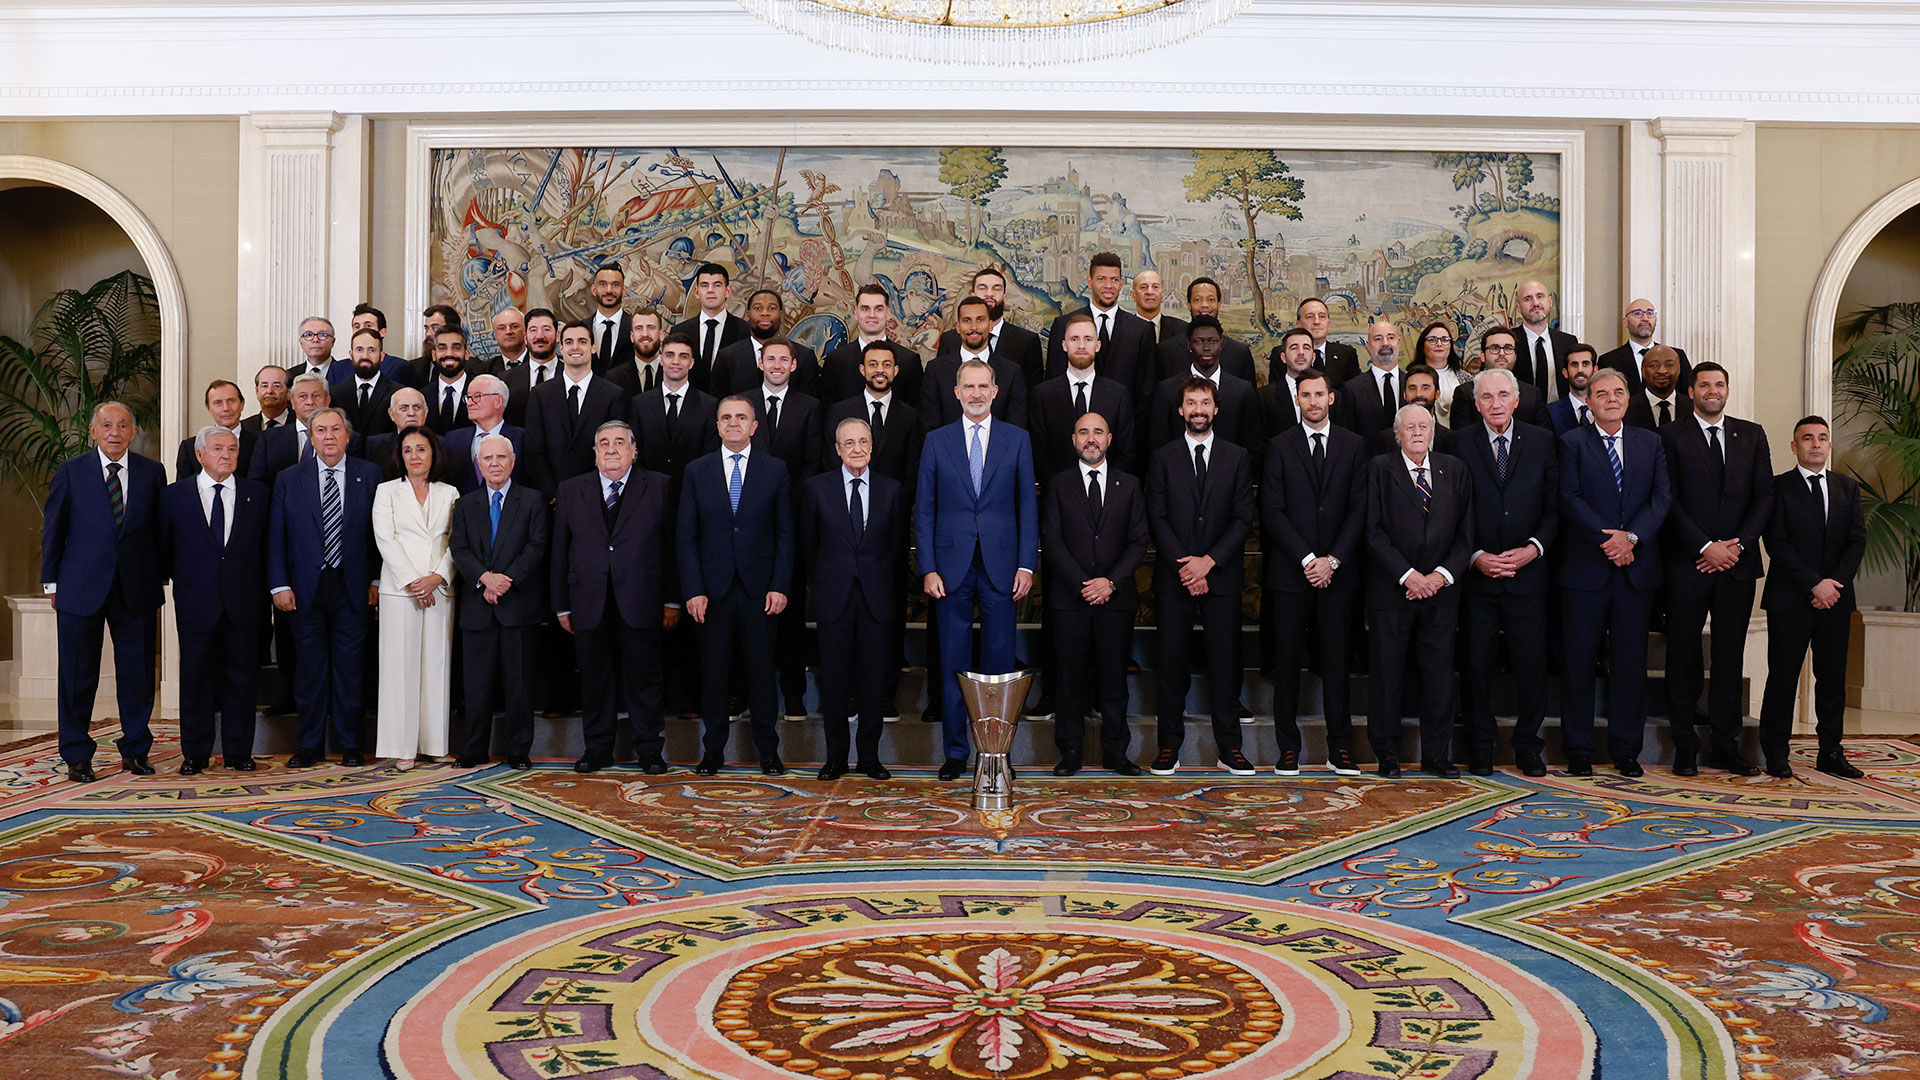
998,32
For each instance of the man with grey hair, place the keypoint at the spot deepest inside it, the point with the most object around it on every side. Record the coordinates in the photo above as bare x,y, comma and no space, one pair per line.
487,416
1419,534
100,569
1514,469
499,547
316,342
290,444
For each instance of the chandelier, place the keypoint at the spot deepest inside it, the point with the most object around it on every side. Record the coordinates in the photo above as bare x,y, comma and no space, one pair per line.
998,32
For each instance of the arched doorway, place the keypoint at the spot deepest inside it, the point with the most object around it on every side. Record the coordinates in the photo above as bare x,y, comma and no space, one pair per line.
1824,309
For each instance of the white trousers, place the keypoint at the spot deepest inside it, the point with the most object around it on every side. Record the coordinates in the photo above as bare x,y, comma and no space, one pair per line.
415,647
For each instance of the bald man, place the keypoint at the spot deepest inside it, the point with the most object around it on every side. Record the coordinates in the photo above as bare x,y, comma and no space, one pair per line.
1149,292
1543,350
1641,320
1367,403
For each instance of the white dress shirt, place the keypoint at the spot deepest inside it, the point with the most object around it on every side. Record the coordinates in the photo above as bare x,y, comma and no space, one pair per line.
1671,401
586,379
846,488
1550,391
886,406
1619,442
227,487
1826,488
1493,448
540,372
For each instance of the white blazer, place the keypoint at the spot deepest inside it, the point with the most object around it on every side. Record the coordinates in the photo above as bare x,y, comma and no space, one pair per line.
413,538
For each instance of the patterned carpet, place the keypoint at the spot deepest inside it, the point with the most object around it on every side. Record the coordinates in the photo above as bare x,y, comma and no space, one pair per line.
443,923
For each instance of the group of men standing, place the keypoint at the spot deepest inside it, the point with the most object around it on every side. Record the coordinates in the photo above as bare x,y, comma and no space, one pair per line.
662,499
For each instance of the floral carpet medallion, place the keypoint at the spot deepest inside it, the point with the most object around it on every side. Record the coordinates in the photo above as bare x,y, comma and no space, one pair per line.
1255,831
986,980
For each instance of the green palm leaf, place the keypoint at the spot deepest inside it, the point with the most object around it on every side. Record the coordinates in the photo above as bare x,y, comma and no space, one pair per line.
1877,383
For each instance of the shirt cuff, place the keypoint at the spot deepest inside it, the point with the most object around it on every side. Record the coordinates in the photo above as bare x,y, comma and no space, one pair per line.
1538,546
1024,570
1704,547
1405,576
673,606
561,614
1475,557
281,589
1445,573
48,588
1308,561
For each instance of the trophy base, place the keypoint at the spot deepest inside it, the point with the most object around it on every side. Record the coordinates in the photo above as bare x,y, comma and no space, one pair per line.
992,783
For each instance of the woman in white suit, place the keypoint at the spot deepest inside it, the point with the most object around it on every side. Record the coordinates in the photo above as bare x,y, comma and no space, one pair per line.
412,520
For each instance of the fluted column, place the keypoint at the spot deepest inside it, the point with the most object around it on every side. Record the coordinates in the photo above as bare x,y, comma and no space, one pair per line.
1707,238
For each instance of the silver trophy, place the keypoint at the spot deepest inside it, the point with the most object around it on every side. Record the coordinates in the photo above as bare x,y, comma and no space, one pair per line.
994,703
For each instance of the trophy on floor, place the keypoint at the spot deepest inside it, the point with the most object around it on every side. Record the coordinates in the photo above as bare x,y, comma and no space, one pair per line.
994,703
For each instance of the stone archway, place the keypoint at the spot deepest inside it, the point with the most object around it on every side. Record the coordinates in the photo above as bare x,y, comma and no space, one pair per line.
1823,309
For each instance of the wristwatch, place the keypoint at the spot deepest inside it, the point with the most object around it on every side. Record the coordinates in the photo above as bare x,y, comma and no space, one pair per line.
1634,539
1333,562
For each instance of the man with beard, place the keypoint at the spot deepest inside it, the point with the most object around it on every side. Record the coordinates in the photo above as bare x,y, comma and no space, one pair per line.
1659,401
1641,320
1203,298
841,369
612,328
1127,343
642,373
1004,342
447,392
938,404
1060,402
1339,361
1419,385
1369,400
737,370
1199,509
1279,399
368,317
363,396
543,363
434,318
1497,350
714,327
1572,410
1543,350
1236,404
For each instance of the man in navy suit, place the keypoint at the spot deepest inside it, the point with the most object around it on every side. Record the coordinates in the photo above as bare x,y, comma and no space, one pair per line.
612,588
1128,347
100,567
213,540
224,403
1515,472
977,532
736,551
486,408
499,546
406,408
1614,496
321,568
852,521
1573,410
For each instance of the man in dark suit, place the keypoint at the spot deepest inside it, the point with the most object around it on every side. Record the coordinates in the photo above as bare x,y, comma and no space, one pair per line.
1004,342
364,394
852,527
1149,293
564,415
316,348
1419,385
1312,518
213,543
612,328
1419,537
486,409
673,424
321,568
446,391
977,535
542,366
224,403
939,405
840,370
1816,538
1368,401
1659,401
714,327
1340,361
1055,409
737,370
284,446
789,426
1279,398
510,338
270,384
1640,321
641,373
1514,469
1543,350
736,552
1093,531
1127,345
1722,483
1199,509
1497,350
368,317
1572,409
1236,402
406,408
1203,298
434,318
100,568
611,576
1615,493
499,547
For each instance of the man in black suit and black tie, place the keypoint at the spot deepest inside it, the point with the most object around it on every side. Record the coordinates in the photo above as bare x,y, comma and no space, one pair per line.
1340,361
1419,537
1641,320
1312,519
1279,399
510,337
1419,385
1016,345
840,370
1149,293
1543,350
789,427
938,404
852,532
1237,403
1127,344
1514,469
1572,409
1816,538
224,403
434,318
737,370
446,392
1093,535
736,552
543,364
1722,484
289,444
714,327
611,580
1369,401
611,327
364,397
641,373
1199,509
213,544
1054,412
499,546
270,387
1659,401
1497,350
1203,298
673,424
564,414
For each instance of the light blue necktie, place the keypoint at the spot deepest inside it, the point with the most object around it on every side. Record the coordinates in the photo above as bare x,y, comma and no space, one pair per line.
493,516
733,484
1613,459
977,460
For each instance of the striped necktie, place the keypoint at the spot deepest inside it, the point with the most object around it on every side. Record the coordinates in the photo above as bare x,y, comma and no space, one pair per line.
733,484
116,497
331,515
1613,459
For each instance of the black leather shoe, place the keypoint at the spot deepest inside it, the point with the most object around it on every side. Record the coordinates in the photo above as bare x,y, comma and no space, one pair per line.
1125,767
1067,766
873,770
521,763
831,771
81,774
654,766
951,768
771,765
1779,770
592,762
241,764
353,759
1481,768
193,766
304,760
796,709
1628,767
1579,766
1445,770
1530,764
710,765
1389,769
1686,763
465,762
138,766
1835,763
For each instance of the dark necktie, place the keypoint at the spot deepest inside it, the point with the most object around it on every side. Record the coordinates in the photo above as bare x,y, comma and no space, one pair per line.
573,401
1079,401
647,378
1319,452
1819,494
1093,490
1666,413
773,414
673,408
707,346
1500,456
1106,334
879,419
116,497
612,510
217,521
1719,452
1387,400
858,512
1320,358
1540,363
366,391
606,341
1584,415
446,406
1200,465
1426,493
331,517
545,374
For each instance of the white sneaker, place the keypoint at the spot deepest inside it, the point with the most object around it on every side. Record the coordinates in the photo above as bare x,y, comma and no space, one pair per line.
1165,763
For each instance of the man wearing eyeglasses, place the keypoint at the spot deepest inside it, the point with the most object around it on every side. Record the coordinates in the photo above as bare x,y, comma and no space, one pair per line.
316,348
486,412
1499,349
1641,320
